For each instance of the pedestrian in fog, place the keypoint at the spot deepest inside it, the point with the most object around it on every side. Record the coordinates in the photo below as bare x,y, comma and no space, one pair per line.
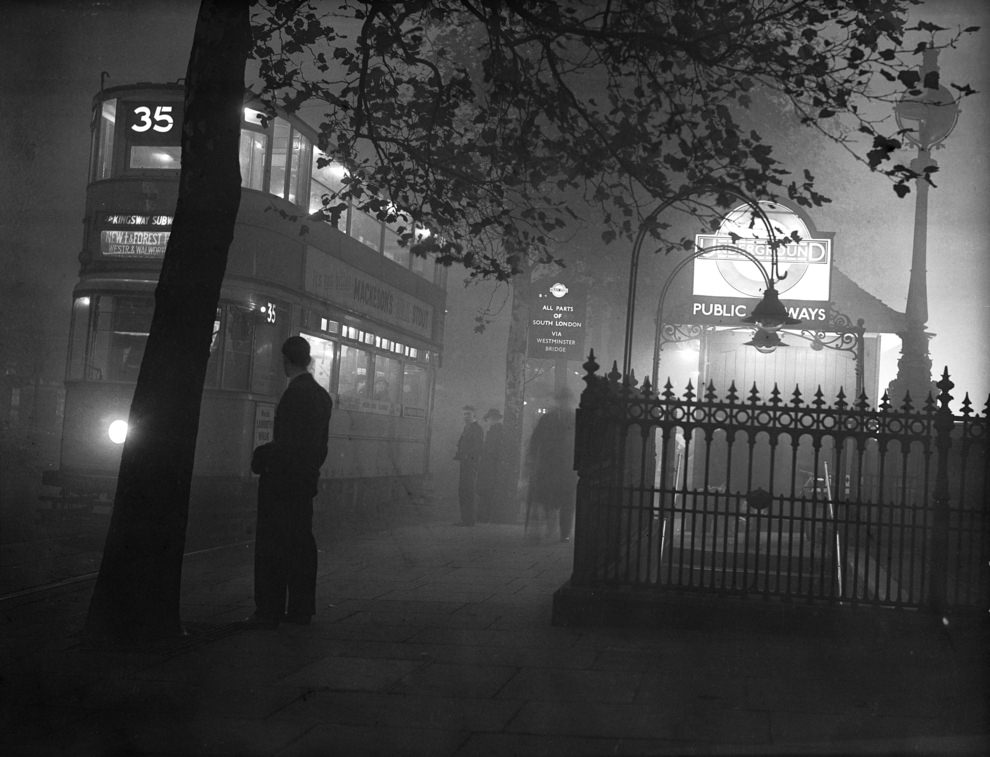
289,466
491,474
469,448
550,465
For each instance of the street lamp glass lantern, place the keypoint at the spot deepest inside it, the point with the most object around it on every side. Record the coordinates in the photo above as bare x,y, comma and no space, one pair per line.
765,341
770,313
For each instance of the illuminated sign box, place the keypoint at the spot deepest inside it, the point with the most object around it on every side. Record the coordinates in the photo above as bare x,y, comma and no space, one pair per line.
154,123
728,284
137,236
557,323
121,243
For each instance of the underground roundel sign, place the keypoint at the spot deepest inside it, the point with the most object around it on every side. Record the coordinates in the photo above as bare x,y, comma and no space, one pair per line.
728,284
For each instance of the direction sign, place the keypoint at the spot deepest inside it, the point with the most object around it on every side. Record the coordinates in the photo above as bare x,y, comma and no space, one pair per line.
557,322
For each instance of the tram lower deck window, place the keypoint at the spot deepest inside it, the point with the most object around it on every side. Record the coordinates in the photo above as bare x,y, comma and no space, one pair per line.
244,350
109,336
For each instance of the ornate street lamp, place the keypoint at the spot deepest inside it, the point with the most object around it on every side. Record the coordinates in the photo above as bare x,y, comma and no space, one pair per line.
926,120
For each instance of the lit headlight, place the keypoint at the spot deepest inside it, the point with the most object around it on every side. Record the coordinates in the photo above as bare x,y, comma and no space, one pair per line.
117,431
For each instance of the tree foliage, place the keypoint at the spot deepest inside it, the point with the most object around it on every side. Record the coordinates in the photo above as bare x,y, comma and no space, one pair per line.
495,124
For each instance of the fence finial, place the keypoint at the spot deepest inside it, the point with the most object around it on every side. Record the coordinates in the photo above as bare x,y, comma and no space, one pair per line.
944,398
590,365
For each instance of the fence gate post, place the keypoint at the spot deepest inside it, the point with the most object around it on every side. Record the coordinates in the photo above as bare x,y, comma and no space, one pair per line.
588,461
940,516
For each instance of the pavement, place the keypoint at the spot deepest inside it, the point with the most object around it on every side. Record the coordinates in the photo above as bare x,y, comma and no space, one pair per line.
436,640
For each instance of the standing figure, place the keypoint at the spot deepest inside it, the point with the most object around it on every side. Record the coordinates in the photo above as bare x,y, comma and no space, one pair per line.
550,463
469,448
289,466
491,475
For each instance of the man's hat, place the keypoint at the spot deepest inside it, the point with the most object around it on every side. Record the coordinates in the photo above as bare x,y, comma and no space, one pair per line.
493,413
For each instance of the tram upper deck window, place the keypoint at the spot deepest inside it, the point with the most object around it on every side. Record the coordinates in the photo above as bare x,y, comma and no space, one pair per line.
103,130
254,145
326,180
289,162
393,250
299,168
366,229
252,158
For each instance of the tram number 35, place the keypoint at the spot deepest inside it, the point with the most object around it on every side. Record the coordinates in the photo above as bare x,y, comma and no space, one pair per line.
161,121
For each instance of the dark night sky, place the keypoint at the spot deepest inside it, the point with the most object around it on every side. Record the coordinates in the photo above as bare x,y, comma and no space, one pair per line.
55,52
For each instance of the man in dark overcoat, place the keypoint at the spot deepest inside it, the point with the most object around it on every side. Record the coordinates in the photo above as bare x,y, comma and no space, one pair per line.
550,462
289,466
469,449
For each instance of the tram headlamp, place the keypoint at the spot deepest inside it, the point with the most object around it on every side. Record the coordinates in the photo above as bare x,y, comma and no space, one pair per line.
117,431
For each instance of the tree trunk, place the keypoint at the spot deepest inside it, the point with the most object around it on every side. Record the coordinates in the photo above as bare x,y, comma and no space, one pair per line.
137,591
515,390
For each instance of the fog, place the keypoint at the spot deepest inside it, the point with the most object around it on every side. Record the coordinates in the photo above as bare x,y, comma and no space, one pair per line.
59,52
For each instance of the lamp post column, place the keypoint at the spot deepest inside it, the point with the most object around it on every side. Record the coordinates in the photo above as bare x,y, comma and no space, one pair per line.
927,117
914,367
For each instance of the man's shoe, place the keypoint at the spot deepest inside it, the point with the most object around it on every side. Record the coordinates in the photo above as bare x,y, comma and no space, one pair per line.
298,620
260,623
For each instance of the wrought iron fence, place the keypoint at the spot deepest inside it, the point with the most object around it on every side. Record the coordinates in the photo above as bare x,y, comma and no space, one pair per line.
790,497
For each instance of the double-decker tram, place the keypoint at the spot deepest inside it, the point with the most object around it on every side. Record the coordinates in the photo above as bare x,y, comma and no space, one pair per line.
373,314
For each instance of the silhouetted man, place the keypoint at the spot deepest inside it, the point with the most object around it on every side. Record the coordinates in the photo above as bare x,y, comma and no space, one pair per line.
289,465
552,480
469,448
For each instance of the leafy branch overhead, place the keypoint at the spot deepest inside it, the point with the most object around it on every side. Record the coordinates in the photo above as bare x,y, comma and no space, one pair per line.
497,124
